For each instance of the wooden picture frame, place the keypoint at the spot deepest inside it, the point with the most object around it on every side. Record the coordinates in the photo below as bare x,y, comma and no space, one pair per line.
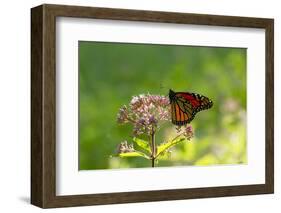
43,105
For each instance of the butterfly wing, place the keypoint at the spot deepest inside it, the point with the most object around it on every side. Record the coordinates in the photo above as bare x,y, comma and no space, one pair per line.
198,102
182,113
184,106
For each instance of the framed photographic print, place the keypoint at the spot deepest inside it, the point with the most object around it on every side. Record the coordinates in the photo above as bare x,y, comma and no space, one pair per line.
135,106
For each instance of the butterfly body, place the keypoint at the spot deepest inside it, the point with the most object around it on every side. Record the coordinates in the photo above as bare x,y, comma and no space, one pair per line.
185,105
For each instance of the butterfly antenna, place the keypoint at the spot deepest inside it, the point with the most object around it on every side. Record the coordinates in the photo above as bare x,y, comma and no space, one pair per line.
163,87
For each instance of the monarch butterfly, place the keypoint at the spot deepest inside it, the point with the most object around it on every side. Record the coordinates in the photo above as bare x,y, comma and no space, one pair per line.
185,105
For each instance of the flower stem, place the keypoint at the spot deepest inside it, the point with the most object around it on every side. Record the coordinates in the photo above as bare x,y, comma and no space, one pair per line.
153,148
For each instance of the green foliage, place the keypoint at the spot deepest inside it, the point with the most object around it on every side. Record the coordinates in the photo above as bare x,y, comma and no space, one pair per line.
111,73
164,147
142,144
133,154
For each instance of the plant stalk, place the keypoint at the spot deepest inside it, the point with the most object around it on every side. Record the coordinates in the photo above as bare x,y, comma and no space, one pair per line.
153,148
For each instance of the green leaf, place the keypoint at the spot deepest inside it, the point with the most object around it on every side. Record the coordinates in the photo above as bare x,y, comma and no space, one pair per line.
142,143
133,154
165,146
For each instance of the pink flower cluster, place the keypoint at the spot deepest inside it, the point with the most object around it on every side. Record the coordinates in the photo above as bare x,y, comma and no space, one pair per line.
145,112
186,131
124,147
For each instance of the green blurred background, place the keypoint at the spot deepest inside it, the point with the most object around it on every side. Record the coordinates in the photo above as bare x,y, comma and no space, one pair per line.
111,73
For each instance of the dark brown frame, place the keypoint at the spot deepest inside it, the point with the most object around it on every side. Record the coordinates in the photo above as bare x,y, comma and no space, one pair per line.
43,105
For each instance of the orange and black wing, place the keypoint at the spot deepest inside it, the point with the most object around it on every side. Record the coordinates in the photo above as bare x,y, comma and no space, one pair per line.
182,112
198,102
184,106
